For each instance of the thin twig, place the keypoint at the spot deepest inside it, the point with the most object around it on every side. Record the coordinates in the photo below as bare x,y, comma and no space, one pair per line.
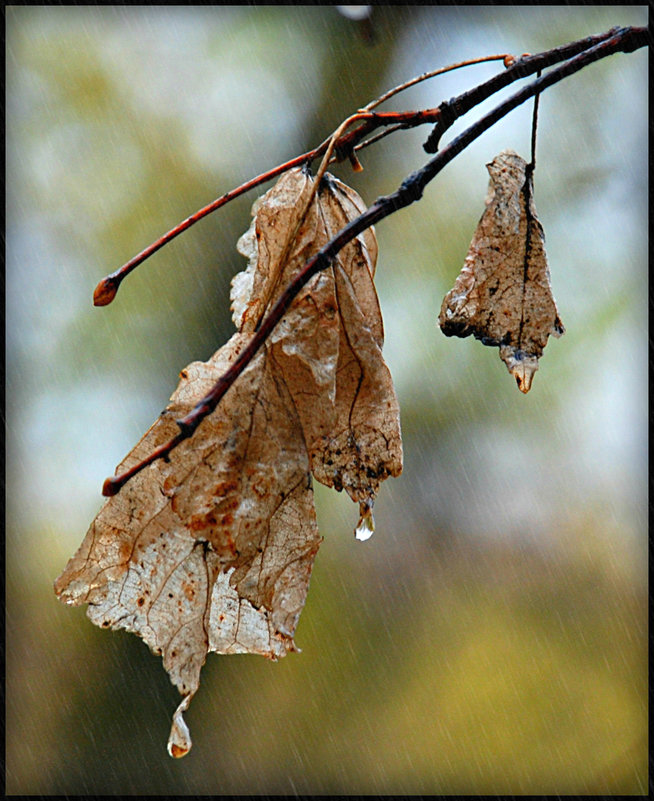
522,68
534,127
107,288
411,190
426,75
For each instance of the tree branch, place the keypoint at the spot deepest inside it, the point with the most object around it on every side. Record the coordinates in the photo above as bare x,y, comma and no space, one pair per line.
451,110
344,147
412,188
446,115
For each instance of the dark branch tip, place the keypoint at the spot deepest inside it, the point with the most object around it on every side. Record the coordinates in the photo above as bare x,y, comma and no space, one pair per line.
433,140
446,118
111,486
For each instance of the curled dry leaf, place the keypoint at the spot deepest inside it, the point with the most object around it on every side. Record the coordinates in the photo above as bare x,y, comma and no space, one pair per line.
340,384
503,294
213,549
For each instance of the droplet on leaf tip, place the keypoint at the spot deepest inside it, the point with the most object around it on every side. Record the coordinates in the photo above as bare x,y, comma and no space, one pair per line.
366,525
179,741
175,751
522,367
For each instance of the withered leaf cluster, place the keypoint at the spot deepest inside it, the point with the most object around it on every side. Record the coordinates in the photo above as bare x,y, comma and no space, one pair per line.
503,294
213,549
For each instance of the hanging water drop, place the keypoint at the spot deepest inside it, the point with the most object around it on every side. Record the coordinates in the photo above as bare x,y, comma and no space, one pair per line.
366,525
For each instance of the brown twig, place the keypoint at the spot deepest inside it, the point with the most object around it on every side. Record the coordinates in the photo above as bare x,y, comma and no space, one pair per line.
449,111
107,288
618,40
431,74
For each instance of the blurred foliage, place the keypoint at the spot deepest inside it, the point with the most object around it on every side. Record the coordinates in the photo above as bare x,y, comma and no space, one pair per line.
491,637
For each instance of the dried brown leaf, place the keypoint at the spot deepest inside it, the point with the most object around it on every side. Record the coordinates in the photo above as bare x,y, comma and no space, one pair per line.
335,372
503,294
212,550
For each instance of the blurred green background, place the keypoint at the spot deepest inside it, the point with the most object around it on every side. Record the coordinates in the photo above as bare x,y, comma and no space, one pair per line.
491,638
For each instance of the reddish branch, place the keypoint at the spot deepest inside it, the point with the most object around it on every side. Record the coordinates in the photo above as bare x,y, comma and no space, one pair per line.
587,51
345,146
106,290
447,113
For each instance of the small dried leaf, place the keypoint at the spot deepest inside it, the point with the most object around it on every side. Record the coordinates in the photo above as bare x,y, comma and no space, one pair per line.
503,294
213,549
365,446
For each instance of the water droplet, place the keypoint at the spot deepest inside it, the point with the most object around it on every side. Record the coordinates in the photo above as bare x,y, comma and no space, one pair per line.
521,365
366,525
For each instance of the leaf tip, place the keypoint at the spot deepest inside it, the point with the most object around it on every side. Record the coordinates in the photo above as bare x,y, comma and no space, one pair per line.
521,365
177,751
179,741
524,384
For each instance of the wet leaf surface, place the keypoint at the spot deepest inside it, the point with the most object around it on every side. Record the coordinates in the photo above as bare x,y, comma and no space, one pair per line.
212,550
503,294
